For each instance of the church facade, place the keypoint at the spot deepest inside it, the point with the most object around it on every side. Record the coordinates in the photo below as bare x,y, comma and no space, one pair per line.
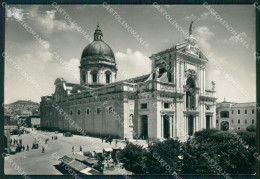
170,102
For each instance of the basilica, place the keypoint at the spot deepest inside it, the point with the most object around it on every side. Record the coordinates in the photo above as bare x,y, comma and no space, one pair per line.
169,102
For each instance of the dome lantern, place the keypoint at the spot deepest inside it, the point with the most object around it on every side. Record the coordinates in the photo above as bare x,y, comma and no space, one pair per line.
98,34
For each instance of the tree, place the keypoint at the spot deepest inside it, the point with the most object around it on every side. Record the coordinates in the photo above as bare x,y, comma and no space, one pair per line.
164,157
219,152
251,128
133,158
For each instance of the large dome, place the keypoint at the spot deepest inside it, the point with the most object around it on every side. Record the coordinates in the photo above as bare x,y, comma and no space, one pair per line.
98,48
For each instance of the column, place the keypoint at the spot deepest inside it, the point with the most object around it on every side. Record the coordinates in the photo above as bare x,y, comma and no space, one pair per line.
89,77
182,82
100,77
203,79
197,123
186,126
86,77
177,74
174,72
162,127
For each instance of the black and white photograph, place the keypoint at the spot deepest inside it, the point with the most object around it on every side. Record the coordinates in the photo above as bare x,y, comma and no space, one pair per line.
130,89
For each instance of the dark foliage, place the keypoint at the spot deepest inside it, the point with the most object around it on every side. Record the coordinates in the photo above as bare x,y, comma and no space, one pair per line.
164,157
133,158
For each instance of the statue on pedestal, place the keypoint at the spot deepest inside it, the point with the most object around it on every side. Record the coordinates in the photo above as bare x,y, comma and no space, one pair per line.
213,85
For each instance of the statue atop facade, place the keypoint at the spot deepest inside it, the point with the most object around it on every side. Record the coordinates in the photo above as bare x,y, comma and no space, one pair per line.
213,85
191,28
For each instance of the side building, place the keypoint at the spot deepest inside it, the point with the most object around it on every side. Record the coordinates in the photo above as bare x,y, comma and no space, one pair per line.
235,116
169,102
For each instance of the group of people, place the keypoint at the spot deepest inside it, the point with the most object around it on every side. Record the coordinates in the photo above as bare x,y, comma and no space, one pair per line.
80,148
107,139
54,137
22,148
15,141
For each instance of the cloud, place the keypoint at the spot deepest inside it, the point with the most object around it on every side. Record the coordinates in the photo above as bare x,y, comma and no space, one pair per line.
14,13
241,40
43,21
202,16
190,17
48,22
132,64
203,35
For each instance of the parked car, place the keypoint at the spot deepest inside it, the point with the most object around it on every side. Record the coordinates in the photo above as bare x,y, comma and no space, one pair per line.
67,134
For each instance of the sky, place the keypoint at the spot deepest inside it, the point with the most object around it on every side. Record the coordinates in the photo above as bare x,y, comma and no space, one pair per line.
132,58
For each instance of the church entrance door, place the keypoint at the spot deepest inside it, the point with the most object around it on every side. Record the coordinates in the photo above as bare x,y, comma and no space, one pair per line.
166,126
190,125
144,126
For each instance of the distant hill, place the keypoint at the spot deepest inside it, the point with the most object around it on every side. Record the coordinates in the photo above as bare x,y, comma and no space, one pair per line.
22,107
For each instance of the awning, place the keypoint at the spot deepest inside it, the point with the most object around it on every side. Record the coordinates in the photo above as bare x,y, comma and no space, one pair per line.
76,165
65,159
90,171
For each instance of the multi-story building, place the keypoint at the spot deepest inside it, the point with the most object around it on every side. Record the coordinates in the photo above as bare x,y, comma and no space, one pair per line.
235,116
169,102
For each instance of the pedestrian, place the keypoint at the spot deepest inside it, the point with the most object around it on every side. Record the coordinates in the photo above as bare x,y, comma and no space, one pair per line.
110,140
116,143
51,137
23,148
72,148
80,148
27,148
102,138
42,149
57,137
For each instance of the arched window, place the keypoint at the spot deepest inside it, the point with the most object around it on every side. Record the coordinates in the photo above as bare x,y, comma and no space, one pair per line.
94,74
108,76
161,71
190,93
131,119
83,78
